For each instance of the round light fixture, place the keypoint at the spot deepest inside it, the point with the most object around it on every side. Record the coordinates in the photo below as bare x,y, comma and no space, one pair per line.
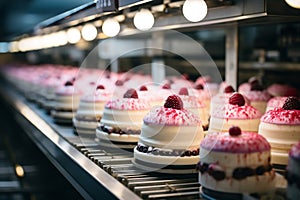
143,19
89,32
111,27
73,35
293,3
194,10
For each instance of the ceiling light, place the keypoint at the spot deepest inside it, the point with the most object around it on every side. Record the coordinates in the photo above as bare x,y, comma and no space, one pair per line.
293,3
73,35
89,32
143,20
194,10
111,27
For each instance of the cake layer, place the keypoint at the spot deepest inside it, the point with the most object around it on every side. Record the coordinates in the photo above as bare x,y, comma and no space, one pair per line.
67,102
171,137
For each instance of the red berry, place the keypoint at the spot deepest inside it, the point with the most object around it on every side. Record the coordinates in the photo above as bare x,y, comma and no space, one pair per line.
119,83
166,86
183,91
237,99
235,131
199,87
143,88
228,89
291,103
174,101
131,93
100,87
69,83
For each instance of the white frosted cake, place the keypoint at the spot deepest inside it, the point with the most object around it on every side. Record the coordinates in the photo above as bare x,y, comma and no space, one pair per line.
169,139
235,162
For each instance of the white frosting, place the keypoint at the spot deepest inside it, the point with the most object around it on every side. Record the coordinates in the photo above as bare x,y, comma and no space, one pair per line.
116,137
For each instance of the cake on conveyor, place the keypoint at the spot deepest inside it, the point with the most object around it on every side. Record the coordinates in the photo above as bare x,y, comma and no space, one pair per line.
66,102
170,138
281,127
235,112
235,162
122,119
293,173
90,111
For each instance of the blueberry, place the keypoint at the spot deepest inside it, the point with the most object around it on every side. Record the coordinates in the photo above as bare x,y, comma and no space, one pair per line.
195,152
203,167
218,175
260,170
239,173
145,149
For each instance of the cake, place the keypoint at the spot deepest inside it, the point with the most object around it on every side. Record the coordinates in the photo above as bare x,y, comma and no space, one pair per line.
170,138
66,102
293,173
281,127
203,95
90,111
218,101
235,112
122,118
275,102
235,162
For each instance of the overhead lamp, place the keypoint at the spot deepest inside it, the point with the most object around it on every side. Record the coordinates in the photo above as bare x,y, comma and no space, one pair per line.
73,35
194,10
89,32
293,3
143,19
111,27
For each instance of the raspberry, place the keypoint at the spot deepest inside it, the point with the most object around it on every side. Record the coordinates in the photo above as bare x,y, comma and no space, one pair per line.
69,83
174,101
183,91
166,86
229,89
237,99
291,103
100,87
199,87
143,88
119,83
235,131
131,93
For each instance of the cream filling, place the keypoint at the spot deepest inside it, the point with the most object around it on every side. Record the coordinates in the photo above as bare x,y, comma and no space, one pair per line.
251,184
171,137
128,119
117,137
230,161
223,125
165,160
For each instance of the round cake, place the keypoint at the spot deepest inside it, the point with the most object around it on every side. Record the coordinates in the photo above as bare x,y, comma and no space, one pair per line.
235,112
170,138
293,173
90,111
235,162
281,127
220,99
122,118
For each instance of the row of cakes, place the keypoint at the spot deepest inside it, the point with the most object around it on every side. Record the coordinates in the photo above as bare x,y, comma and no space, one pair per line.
169,135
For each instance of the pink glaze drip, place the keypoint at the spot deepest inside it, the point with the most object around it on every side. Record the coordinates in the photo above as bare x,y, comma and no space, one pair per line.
236,112
281,116
295,151
169,116
257,95
276,102
128,104
247,142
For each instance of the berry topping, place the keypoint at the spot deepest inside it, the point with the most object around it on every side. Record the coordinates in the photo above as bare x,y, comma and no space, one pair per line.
256,87
174,101
143,88
119,83
229,89
100,87
235,131
237,99
69,83
199,87
166,86
131,93
291,103
183,91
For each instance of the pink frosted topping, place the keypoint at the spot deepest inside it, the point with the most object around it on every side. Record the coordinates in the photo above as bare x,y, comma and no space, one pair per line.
128,104
169,116
236,112
191,102
99,96
244,87
295,151
257,95
281,116
276,102
247,142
